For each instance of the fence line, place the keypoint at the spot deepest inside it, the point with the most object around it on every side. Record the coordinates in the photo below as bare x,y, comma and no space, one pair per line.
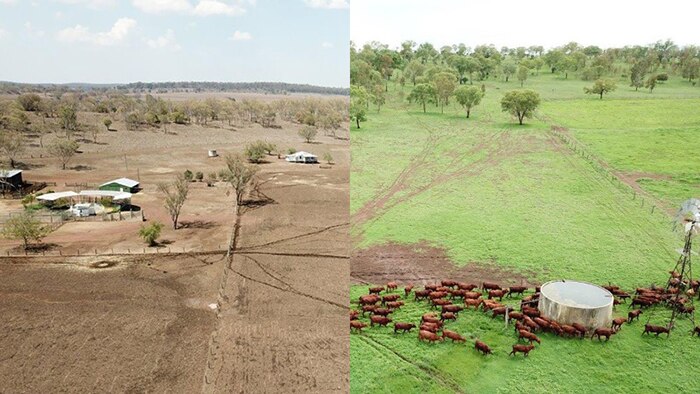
66,217
150,251
597,165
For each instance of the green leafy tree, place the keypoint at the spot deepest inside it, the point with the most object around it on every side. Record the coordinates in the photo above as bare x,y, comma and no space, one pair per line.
423,93
522,74
637,72
691,69
150,233
69,117
651,83
358,104
445,85
601,87
520,103
27,227
468,97
508,67
175,194
378,96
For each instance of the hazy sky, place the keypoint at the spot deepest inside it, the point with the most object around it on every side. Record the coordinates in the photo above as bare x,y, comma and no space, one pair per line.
513,23
117,41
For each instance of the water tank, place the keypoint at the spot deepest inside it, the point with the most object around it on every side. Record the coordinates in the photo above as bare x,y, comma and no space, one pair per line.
212,153
569,301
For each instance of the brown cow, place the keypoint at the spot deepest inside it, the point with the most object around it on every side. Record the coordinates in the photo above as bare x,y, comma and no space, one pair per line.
532,312
696,331
482,347
440,302
434,320
497,294
452,308
520,326
603,332
490,286
555,328
432,327
617,323
455,337
580,328
353,314
368,308
394,304
408,289
570,330
430,315
422,294
390,298
472,295
376,290
633,315
357,325
467,286
405,327
428,336
369,299
431,287
501,311
448,283
528,335
525,349
474,303
391,286
541,322
382,311
448,316
437,294
648,328
381,320
515,315
516,290
530,323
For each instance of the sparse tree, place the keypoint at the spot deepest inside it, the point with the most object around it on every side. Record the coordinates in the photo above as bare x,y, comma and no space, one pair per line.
508,67
468,97
27,227
69,117
240,175
520,103
308,133
601,87
150,233
63,149
637,72
378,96
30,102
175,194
328,158
12,144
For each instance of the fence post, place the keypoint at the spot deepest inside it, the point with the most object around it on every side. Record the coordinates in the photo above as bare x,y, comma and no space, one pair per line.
652,208
78,252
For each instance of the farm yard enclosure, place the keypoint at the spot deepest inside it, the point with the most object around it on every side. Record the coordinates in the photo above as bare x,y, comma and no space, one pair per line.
208,323
585,189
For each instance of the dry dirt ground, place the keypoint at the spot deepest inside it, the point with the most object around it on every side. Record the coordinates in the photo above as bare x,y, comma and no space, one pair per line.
281,319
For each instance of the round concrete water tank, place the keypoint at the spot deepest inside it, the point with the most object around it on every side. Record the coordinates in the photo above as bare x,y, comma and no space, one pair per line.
568,301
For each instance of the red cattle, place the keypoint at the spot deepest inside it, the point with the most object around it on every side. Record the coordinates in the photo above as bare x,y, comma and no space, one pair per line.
368,308
528,335
381,320
407,289
467,286
648,328
474,303
455,337
432,327
472,295
357,325
394,304
515,315
696,331
382,311
501,311
497,294
482,347
524,349
390,298
580,328
603,332
392,286
570,330
422,294
448,316
428,336
405,327
490,286
617,323
633,315
369,299
448,283
376,290
452,308
516,290
353,314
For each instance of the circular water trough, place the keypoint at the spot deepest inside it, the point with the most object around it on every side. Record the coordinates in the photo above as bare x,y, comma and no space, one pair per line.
569,301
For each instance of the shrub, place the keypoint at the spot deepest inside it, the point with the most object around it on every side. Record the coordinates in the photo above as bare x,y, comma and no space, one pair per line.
151,233
291,151
662,77
328,158
188,175
255,151
199,176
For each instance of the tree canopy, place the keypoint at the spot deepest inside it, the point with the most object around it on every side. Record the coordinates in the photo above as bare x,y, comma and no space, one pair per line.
520,103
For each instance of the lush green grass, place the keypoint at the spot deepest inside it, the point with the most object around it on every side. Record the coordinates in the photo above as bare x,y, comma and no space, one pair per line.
491,192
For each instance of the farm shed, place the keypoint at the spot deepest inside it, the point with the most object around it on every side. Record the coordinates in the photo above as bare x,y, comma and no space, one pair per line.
569,301
10,180
121,185
302,157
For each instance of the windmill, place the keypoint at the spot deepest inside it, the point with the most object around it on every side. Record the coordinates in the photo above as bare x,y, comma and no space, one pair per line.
681,282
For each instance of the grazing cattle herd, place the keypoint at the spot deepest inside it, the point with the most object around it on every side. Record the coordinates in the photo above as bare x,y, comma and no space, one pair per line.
449,298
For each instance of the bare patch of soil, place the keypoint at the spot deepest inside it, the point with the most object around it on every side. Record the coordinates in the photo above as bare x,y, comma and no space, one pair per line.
422,264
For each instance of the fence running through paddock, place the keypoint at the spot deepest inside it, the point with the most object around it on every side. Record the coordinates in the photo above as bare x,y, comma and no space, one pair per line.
136,251
60,218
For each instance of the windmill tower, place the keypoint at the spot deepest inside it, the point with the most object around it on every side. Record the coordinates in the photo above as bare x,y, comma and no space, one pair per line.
681,280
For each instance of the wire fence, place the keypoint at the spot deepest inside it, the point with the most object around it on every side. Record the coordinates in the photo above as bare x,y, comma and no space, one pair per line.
65,216
644,200
136,251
